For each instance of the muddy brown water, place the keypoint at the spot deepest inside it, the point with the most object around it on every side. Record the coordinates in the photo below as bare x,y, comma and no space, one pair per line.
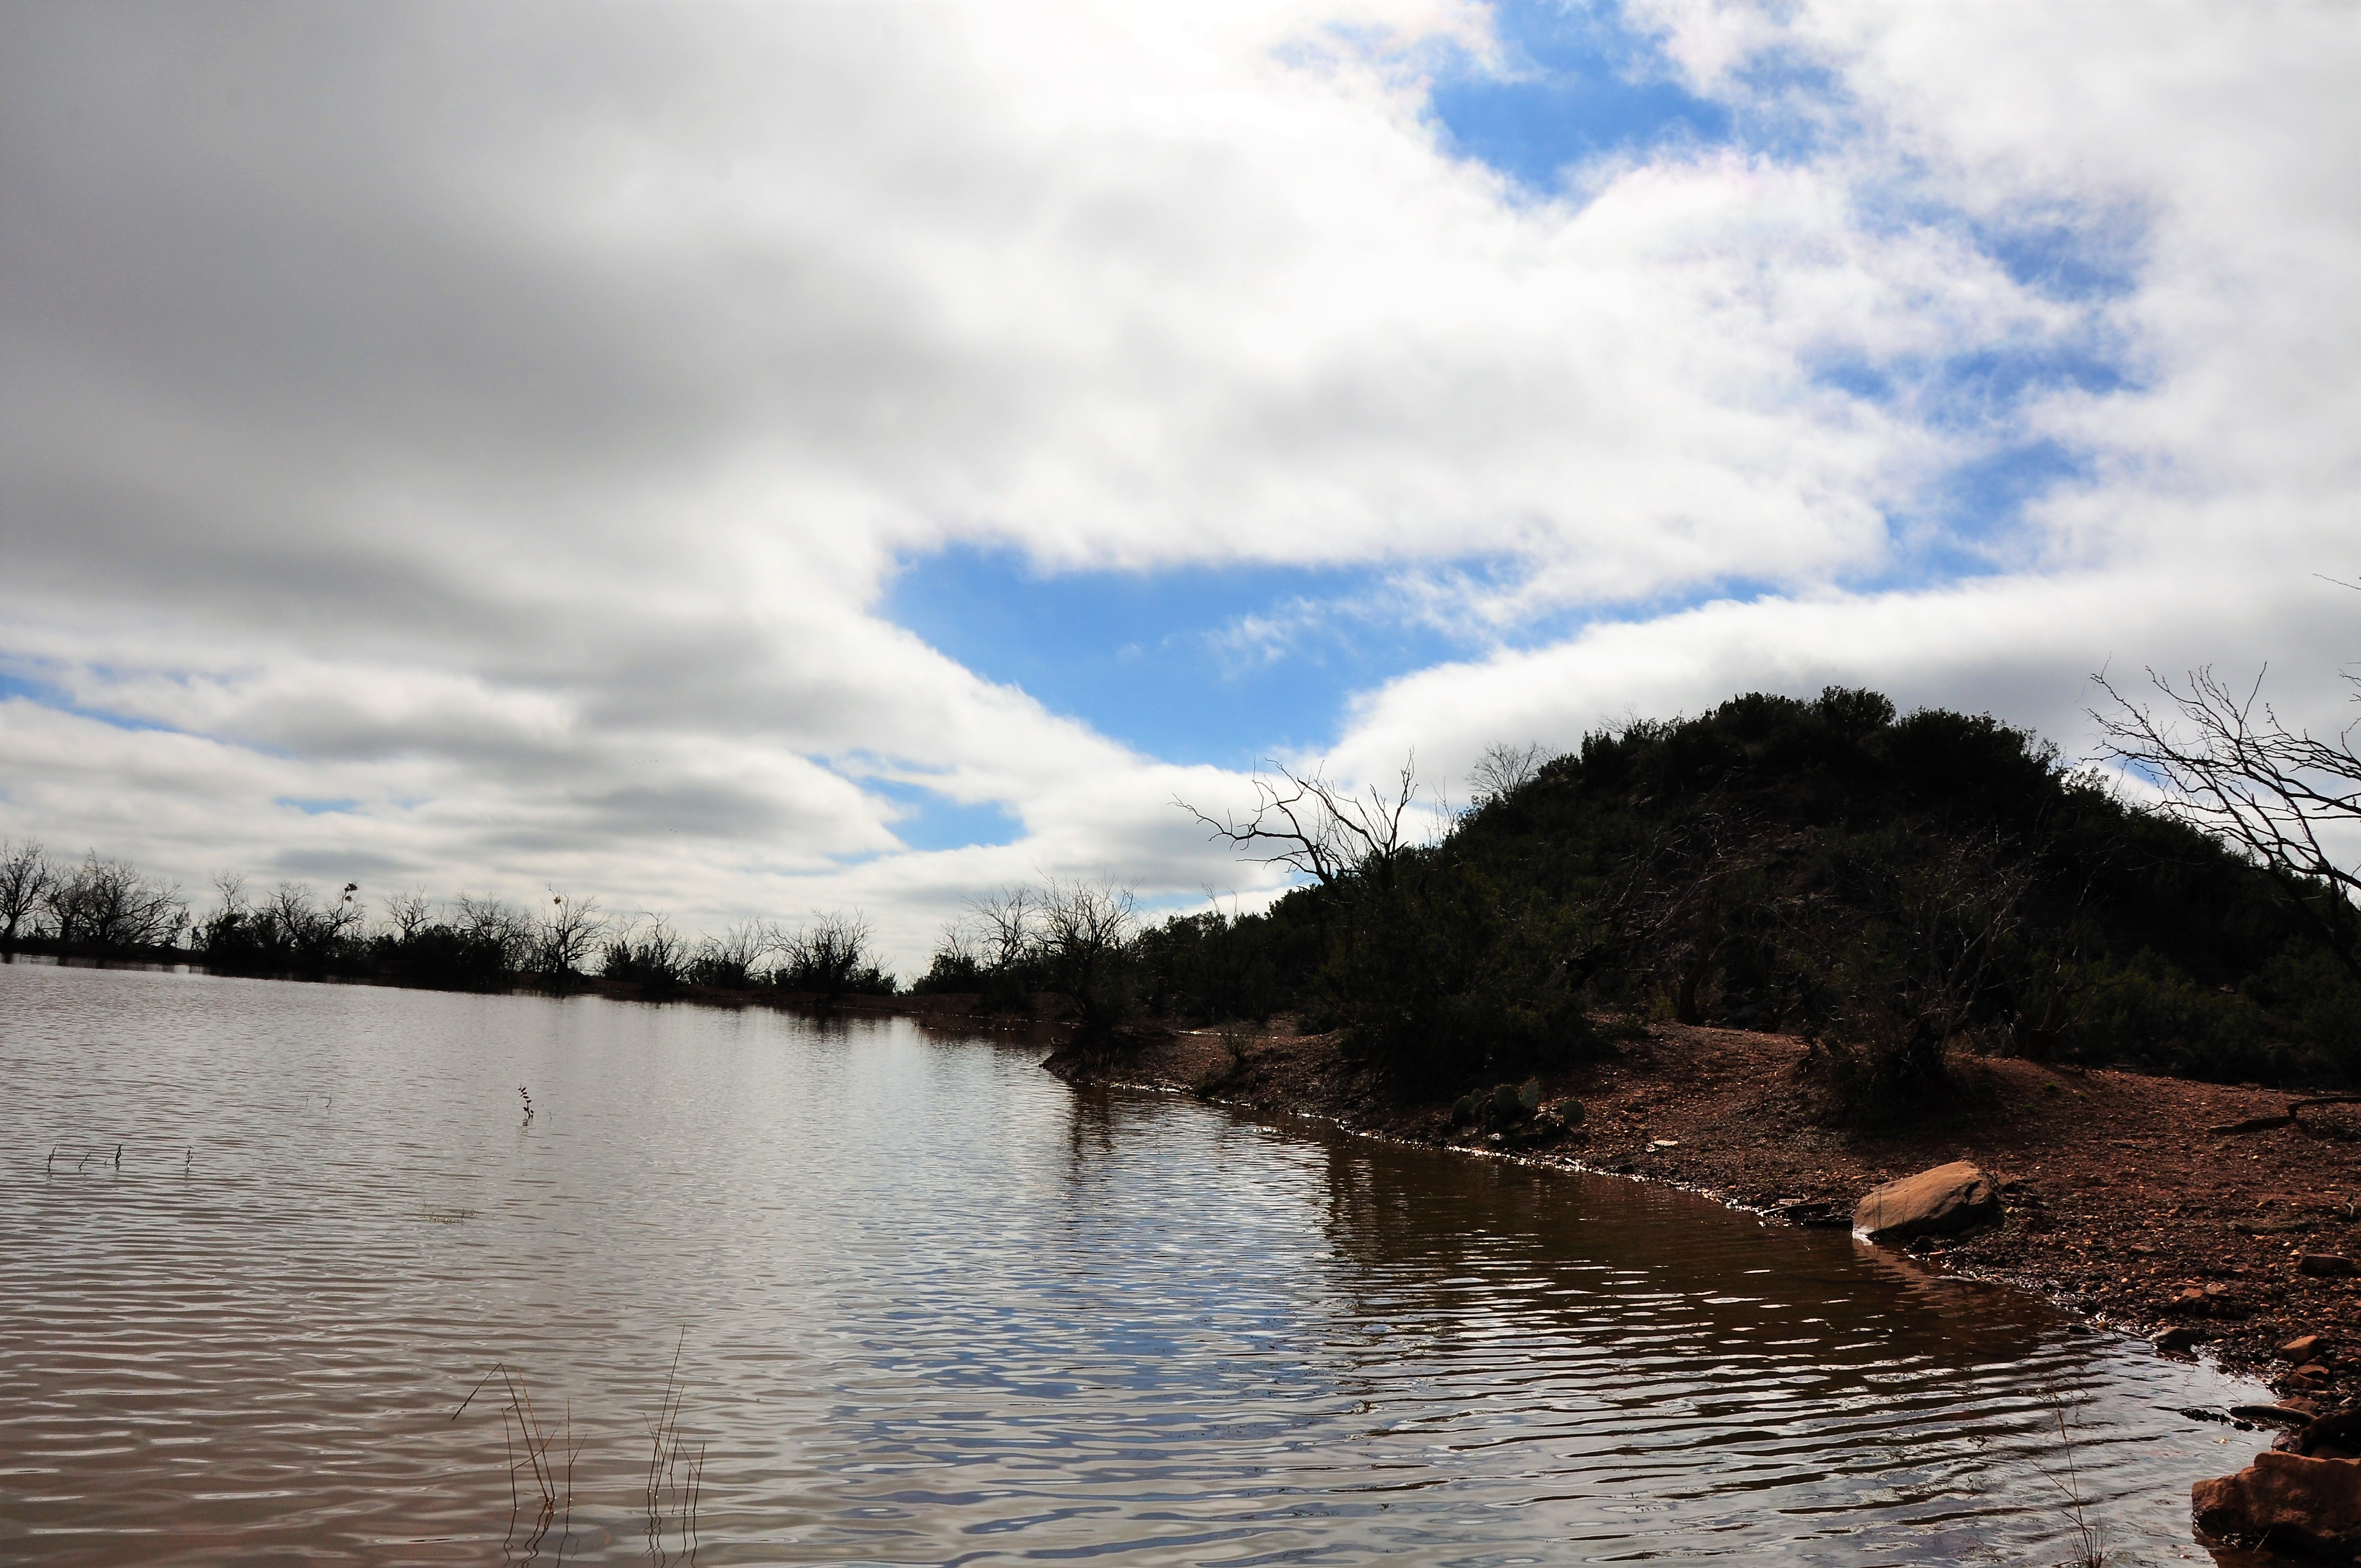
932,1306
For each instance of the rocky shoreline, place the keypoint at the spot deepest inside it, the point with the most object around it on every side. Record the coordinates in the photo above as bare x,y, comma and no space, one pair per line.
2213,1219
2210,1218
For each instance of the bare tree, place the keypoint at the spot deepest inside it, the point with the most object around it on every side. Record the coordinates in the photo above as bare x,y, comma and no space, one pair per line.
491,923
297,925
829,955
1005,927
2229,765
648,950
1318,828
109,903
730,959
1913,981
24,878
230,888
1085,930
567,934
1504,769
408,913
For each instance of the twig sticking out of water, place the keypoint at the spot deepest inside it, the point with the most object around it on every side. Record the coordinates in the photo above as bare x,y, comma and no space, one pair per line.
118,1157
671,1467
83,1161
523,1429
2089,1534
51,1166
528,1101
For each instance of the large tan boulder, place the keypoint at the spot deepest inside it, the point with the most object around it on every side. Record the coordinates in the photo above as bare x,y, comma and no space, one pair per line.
2285,1501
1931,1203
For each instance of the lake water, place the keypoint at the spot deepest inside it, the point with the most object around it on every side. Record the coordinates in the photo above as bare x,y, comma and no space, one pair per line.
932,1306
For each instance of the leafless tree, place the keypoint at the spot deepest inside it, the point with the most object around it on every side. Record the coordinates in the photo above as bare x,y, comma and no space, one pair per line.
493,924
109,903
827,955
1085,928
230,888
231,911
408,913
2230,765
1318,828
1003,927
1504,769
648,950
567,934
24,878
1912,982
732,958
305,927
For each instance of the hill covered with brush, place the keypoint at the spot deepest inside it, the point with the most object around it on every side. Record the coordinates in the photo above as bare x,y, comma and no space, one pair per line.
1897,888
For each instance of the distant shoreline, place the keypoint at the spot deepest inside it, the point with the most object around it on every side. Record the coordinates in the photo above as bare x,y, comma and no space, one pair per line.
941,1008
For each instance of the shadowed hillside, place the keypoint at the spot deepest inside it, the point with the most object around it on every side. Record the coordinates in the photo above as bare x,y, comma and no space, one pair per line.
1897,889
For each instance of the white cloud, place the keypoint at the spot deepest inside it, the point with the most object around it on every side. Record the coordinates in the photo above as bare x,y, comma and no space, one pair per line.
507,421
2222,475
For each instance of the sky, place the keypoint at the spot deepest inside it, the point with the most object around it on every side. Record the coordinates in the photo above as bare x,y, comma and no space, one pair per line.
754,459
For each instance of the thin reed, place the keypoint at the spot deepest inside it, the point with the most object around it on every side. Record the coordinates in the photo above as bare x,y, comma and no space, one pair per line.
2086,1530
676,1477
535,1449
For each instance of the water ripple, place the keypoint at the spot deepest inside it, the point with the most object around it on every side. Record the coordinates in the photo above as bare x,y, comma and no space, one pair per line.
933,1306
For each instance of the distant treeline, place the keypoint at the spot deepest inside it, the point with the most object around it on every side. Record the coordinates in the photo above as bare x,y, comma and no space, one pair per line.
1899,889
110,908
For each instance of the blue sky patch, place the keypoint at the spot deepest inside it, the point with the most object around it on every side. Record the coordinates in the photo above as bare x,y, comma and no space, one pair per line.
2001,484
935,822
49,693
1578,85
318,807
2064,253
1196,665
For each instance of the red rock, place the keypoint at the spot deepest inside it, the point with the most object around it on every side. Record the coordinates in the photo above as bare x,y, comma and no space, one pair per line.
1933,1203
2303,1348
2285,1501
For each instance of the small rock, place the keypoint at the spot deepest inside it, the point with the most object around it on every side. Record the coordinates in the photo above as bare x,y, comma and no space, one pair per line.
2304,1347
2309,1505
2272,1227
1810,1211
1664,1143
1933,1203
2329,1265
2177,1341
1542,1128
2312,1372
